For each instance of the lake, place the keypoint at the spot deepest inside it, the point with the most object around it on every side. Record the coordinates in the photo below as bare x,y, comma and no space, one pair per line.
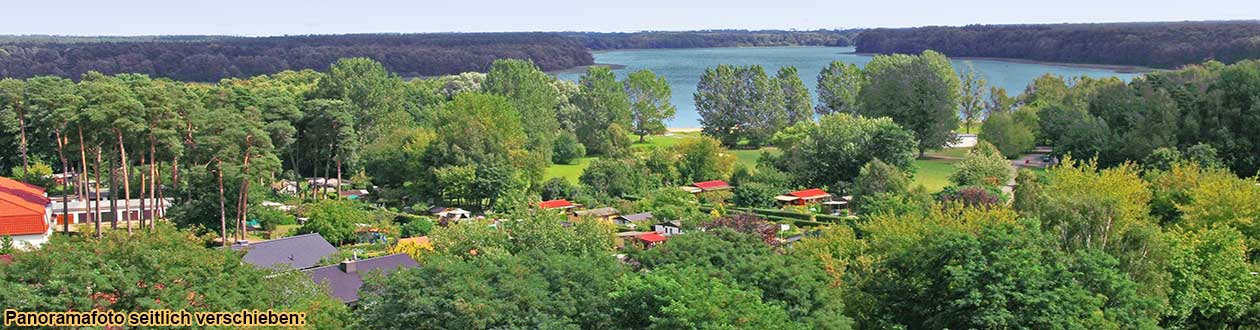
683,67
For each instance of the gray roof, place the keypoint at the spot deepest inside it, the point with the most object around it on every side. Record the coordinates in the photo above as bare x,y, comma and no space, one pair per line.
345,285
297,252
637,216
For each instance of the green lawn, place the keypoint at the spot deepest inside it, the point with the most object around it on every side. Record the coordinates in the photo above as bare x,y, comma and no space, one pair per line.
933,174
569,172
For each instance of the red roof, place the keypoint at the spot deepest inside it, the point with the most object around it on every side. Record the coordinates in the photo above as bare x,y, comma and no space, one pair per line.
652,237
554,204
22,208
712,185
809,193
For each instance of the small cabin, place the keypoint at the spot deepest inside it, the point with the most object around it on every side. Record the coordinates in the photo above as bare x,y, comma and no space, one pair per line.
706,186
558,204
804,197
629,219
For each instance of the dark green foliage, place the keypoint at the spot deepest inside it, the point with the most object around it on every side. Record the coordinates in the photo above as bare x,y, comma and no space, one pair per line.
1153,44
877,180
160,269
1008,134
558,188
605,121
335,220
831,153
612,178
793,285
740,105
919,93
567,149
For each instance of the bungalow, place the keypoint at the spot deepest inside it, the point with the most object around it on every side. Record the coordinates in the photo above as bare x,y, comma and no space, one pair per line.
834,206
804,197
345,279
24,213
295,252
629,219
353,193
668,228
650,239
449,213
84,211
286,187
557,204
707,186
603,213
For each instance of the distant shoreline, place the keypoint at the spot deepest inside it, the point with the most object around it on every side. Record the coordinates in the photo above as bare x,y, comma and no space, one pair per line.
1110,67
582,68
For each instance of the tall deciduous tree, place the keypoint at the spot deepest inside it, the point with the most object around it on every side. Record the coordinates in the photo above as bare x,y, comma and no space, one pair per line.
531,91
605,112
918,92
831,152
838,87
740,104
796,98
649,102
972,98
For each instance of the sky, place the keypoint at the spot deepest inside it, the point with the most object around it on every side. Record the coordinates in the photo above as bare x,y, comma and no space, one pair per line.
287,17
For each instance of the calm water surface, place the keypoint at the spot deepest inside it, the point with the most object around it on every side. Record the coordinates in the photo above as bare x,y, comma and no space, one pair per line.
682,68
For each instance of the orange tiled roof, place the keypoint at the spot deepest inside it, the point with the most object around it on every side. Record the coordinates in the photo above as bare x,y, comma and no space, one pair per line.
22,208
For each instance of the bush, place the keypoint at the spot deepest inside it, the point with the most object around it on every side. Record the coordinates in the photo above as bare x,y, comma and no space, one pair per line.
984,165
269,217
335,220
972,196
558,188
567,149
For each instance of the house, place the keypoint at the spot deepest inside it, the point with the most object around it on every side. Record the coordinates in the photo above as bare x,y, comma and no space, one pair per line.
286,187
557,204
24,213
345,279
84,211
353,193
804,197
603,213
650,239
707,186
630,219
668,228
835,206
449,213
296,252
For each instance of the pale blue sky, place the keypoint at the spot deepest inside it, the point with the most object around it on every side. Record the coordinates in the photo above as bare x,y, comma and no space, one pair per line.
278,17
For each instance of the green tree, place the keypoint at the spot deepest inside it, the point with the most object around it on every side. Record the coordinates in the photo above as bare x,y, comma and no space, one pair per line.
1010,136
163,269
834,149
605,112
1212,284
613,178
335,220
481,132
376,95
568,150
530,90
984,165
919,93
649,102
740,105
838,87
12,103
971,95
684,299
702,158
877,180
800,107
998,101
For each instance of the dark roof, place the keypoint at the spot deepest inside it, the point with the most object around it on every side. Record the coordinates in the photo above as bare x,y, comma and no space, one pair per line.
298,252
637,216
345,285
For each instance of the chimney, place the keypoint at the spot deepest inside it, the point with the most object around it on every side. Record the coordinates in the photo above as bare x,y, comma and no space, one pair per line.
349,266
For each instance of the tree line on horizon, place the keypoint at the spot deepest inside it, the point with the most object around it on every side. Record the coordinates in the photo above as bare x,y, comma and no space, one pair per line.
1148,44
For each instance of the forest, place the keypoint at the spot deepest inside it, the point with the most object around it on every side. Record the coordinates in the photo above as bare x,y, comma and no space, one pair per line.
1154,44
713,38
211,58
1148,222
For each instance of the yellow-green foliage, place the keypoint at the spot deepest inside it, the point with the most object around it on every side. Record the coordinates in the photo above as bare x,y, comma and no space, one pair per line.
1210,197
417,250
1087,207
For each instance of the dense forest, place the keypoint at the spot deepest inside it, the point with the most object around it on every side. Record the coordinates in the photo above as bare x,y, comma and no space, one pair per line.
1159,45
714,38
210,58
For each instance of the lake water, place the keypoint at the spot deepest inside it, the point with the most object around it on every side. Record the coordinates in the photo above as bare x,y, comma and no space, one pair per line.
683,67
